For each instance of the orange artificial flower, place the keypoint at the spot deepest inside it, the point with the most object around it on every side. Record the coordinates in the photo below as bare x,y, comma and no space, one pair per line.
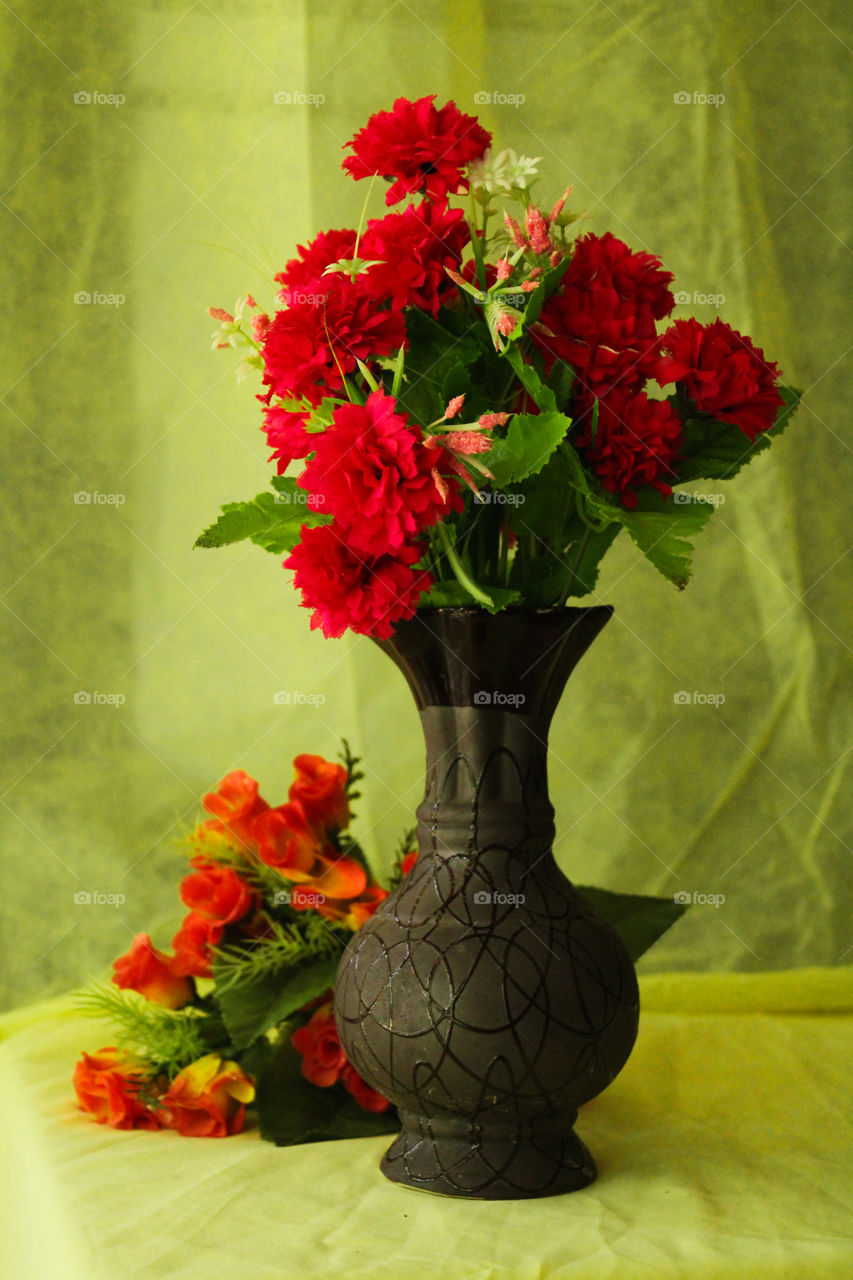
286,841
107,1084
217,891
236,804
192,944
207,1099
324,1062
320,788
153,974
408,862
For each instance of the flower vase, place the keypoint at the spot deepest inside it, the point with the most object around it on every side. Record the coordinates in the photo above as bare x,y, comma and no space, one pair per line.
485,997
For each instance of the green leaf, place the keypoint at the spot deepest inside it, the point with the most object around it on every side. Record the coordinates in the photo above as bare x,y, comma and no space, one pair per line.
586,570
639,920
561,381
662,536
453,595
549,501
436,352
292,1110
548,285
542,396
719,450
528,444
250,1008
273,521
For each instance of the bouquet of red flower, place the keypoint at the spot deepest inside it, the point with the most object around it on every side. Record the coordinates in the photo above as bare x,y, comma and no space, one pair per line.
471,398
239,1012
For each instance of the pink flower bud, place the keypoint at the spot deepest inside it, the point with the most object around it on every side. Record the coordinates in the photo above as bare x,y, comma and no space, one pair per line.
506,323
260,324
468,442
504,269
516,234
537,231
489,420
529,285
216,313
558,207
454,406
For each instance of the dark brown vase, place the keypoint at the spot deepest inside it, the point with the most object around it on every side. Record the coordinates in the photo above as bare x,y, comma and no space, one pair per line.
485,997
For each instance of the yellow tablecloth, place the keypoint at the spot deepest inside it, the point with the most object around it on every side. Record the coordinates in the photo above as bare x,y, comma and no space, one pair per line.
725,1149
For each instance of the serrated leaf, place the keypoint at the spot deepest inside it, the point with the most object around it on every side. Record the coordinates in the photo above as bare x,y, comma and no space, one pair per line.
250,1008
541,395
273,521
548,285
662,536
453,595
719,450
639,920
292,1110
528,444
586,571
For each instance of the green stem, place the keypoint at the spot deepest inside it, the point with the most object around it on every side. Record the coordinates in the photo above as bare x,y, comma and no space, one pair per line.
459,569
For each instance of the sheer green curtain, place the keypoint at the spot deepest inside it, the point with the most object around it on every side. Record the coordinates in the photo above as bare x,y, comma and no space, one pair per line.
161,158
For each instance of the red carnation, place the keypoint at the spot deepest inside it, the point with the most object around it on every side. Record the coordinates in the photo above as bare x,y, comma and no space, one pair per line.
412,250
368,596
373,474
725,375
300,274
636,442
310,346
602,319
286,435
423,147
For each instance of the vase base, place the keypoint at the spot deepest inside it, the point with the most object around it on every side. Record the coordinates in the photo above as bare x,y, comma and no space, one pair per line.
478,1162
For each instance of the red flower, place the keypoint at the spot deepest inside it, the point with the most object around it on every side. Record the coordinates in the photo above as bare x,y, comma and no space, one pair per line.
309,347
302,273
217,891
345,591
192,944
635,444
286,841
725,375
373,473
413,250
324,1062
408,862
423,147
207,1099
152,974
107,1084
319,787
236,804
286,435
602,319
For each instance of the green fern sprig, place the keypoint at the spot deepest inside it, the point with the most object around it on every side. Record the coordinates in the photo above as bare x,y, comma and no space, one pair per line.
284,945
165,1039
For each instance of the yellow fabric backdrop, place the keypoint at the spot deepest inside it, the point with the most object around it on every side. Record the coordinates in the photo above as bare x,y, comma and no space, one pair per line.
194,189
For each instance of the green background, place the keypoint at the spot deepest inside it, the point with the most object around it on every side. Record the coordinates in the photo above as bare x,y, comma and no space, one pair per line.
194,190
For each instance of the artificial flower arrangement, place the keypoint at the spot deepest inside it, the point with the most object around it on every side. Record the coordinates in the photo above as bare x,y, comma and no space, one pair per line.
239,1013
470,396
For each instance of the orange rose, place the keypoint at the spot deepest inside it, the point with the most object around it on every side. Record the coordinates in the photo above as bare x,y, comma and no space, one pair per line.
207,1099
408,862
192,944
107,1084
320,788
286,841
323,1059
153,974
216,891
368,1099
236,804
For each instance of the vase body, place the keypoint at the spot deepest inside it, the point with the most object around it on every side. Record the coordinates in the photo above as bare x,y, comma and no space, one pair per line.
485,998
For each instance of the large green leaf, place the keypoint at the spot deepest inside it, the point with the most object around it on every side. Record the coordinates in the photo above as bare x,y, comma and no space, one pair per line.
292,1110
273,521
250,1008
530,440
548,285
436,360
663,536
718,450
587,568
639,920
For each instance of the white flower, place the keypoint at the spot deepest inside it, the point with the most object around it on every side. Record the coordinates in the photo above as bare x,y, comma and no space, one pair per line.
503,172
